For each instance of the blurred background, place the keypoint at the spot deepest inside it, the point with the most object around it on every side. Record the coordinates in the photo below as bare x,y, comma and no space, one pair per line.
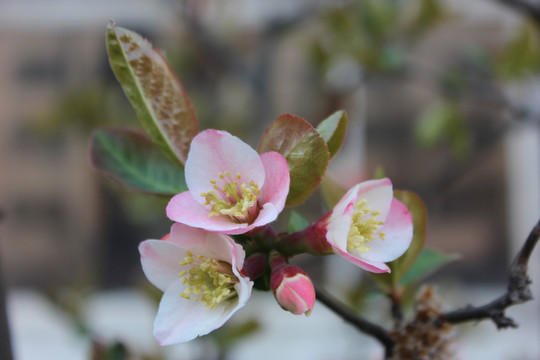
443,97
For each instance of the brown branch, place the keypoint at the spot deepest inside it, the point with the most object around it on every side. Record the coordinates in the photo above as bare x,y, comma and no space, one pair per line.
358,322
518,290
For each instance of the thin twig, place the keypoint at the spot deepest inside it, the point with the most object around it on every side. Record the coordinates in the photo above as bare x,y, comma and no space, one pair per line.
358,322
518,290
397,312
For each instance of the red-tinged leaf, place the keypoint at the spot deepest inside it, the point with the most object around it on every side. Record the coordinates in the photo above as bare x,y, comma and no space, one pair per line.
333,130
132,159
305,150
154,91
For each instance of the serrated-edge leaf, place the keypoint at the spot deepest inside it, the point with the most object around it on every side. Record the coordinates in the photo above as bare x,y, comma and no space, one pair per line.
154,91
333,130
111,154
286,135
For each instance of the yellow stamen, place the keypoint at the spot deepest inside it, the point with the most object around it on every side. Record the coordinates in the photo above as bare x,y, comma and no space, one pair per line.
233,199
209,280
364,227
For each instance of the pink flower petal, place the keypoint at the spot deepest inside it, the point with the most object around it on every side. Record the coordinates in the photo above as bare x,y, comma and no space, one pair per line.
180,320
372,266
187,237
183,208
213,152
267,214
160,262
378,194
277,180
212,245
398,229
340,219
293,289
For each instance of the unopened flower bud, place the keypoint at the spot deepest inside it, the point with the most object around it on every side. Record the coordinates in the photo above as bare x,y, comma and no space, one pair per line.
293,289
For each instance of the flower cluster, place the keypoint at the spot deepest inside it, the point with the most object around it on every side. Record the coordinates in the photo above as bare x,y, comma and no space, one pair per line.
224,195
233,190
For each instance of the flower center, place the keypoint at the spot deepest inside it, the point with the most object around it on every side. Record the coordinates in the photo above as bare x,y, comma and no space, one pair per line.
364,227
210,281
233,198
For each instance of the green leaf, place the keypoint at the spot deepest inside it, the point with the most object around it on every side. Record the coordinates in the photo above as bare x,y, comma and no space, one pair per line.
132,159
430,13
296,223
400,266
432,123
379,173
443,121
428,262
333,129
304,149
331,191
521,56
378,17
154,91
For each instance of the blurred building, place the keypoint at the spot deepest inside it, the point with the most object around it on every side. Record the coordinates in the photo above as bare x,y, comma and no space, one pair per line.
49,198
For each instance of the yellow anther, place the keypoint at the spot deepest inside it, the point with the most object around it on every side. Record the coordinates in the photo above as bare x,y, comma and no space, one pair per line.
364,227
208,280
233,198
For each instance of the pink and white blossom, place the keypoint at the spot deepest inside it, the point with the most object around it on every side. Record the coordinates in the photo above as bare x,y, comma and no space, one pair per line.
200,275
232,189
369,227
293,289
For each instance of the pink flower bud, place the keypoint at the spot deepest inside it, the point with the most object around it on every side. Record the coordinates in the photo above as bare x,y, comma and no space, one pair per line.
293,289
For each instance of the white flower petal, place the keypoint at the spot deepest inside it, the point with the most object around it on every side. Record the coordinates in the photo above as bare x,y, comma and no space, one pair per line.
160,261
